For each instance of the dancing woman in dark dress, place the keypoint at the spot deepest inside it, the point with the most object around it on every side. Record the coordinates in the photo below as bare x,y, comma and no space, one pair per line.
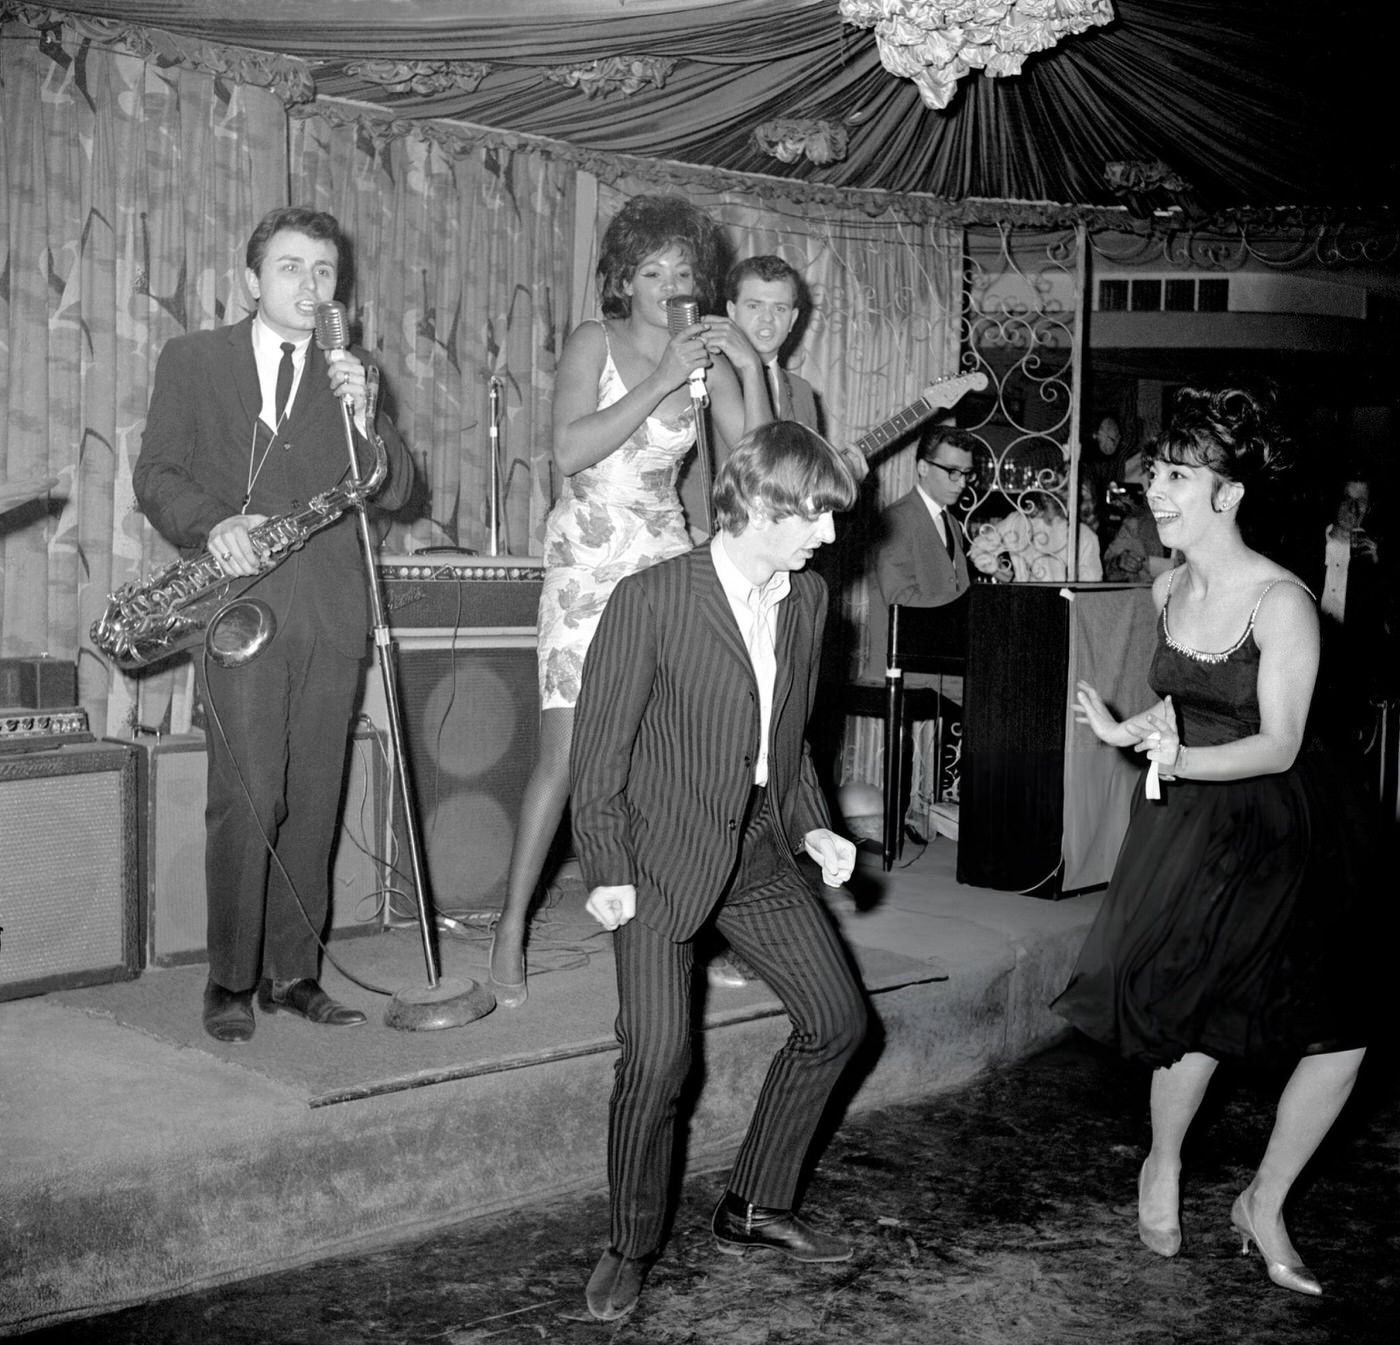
1225,933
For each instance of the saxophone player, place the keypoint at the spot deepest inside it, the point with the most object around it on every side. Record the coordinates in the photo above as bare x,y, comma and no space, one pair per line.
245,424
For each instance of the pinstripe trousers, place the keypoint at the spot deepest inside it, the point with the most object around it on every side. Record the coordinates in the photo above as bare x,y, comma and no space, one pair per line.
774,921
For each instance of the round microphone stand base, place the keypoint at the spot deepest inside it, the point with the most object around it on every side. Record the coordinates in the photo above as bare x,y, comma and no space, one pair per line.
432,1008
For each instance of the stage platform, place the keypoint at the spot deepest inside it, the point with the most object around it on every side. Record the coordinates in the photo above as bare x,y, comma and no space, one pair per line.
142,1159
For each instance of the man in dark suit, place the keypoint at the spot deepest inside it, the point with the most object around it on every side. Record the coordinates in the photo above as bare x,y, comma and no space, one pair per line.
764,302
920,560
245,424
692,791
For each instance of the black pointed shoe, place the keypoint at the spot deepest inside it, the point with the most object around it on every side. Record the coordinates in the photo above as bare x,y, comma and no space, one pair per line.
616,1284
305,997
737,1226
228,1014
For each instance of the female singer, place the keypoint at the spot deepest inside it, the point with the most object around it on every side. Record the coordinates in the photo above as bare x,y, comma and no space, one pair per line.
624,419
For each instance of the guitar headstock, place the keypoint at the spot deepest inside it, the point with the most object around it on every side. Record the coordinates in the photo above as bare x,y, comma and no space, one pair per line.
948,391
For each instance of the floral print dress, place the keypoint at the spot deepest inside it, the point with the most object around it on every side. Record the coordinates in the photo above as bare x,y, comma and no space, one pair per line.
611,519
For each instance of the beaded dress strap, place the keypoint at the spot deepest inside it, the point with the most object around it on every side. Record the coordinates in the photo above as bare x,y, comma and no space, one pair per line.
1220,657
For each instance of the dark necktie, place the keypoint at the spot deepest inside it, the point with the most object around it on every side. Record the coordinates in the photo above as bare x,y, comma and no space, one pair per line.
947,520
284,380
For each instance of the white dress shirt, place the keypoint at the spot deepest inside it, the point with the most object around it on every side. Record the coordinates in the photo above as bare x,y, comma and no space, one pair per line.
756,611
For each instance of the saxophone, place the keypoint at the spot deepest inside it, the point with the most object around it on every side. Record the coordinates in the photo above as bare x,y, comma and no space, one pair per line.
192,601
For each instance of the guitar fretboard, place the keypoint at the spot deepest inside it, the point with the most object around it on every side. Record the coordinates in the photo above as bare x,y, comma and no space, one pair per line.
887,431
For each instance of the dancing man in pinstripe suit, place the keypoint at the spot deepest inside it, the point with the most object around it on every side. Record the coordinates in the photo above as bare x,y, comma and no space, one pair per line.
692,792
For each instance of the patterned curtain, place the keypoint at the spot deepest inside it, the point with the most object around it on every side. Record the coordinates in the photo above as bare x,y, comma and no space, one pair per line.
128,185
463,272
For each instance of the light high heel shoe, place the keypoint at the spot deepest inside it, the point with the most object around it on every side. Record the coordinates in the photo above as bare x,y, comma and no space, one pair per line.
509,994
1298,1277
1164,1241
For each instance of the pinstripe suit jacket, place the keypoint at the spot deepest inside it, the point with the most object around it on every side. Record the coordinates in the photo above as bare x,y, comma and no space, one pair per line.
666,731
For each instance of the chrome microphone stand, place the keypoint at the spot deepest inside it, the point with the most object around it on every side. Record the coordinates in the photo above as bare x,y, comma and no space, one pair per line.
444,1003
494,469
682,311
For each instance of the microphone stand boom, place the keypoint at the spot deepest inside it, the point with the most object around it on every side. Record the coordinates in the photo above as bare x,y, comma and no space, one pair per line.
442,1004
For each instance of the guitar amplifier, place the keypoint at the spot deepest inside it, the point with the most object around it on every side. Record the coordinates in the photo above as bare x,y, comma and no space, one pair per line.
173,787
70,883
431,594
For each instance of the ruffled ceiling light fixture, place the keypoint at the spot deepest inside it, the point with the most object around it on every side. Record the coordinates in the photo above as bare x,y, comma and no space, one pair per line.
936,42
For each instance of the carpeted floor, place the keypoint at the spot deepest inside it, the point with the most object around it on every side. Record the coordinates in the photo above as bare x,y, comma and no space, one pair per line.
573,1001
998,1214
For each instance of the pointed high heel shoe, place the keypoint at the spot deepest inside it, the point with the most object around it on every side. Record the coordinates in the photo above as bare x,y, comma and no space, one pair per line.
1164,1241
1298,1277
509,994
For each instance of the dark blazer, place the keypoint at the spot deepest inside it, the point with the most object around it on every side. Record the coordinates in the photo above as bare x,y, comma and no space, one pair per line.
912,566
665,735
194,466
801,401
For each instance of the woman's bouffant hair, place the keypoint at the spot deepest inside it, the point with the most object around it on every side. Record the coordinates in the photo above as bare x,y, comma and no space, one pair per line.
645,226
784,469
1235,431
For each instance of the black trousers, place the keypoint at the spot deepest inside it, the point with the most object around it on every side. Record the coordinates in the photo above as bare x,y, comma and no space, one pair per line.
278,736
776,923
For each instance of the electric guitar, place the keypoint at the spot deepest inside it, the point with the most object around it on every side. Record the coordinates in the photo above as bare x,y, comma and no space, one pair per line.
936,397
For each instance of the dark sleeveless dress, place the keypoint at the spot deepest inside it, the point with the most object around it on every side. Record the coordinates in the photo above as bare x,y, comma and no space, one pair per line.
1230,926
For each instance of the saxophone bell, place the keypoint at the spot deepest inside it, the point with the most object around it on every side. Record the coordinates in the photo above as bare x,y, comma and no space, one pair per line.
239,631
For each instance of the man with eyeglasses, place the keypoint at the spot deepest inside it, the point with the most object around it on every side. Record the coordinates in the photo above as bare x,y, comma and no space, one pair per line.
920,560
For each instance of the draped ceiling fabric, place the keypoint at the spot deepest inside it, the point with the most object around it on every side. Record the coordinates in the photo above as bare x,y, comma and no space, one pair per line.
1236,112
1237,107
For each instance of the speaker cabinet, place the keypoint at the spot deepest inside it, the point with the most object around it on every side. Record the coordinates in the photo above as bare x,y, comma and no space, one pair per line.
470,707
174,788
464,628
70,881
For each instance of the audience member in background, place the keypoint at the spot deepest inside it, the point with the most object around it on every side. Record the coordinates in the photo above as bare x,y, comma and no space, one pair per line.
1101,465
1032,545
1345,565
1233,927
245,424
623,422
693,792
1135,553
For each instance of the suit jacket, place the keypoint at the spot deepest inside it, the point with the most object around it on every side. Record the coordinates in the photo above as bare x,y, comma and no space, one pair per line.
912,566
800,400
666,732
801,404
194,468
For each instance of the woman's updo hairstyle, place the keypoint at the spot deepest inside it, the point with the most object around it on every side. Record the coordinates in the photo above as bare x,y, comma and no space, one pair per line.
650,224
1234,430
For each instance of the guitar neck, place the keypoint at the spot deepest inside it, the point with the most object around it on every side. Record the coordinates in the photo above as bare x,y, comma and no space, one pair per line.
887,431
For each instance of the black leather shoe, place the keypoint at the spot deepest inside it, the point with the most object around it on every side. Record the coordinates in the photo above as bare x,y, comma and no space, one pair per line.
738,1226
228,1014
308,999
616,1284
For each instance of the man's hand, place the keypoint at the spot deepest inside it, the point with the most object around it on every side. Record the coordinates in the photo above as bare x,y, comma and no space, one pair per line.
835,854
231,545
612,907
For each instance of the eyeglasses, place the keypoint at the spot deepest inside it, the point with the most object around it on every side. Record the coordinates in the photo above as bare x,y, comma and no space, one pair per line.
957,475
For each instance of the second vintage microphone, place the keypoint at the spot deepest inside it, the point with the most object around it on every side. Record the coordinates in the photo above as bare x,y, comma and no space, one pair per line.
682,311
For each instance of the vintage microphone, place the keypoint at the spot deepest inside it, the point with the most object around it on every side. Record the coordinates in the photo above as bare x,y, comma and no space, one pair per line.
682,311
442,1004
